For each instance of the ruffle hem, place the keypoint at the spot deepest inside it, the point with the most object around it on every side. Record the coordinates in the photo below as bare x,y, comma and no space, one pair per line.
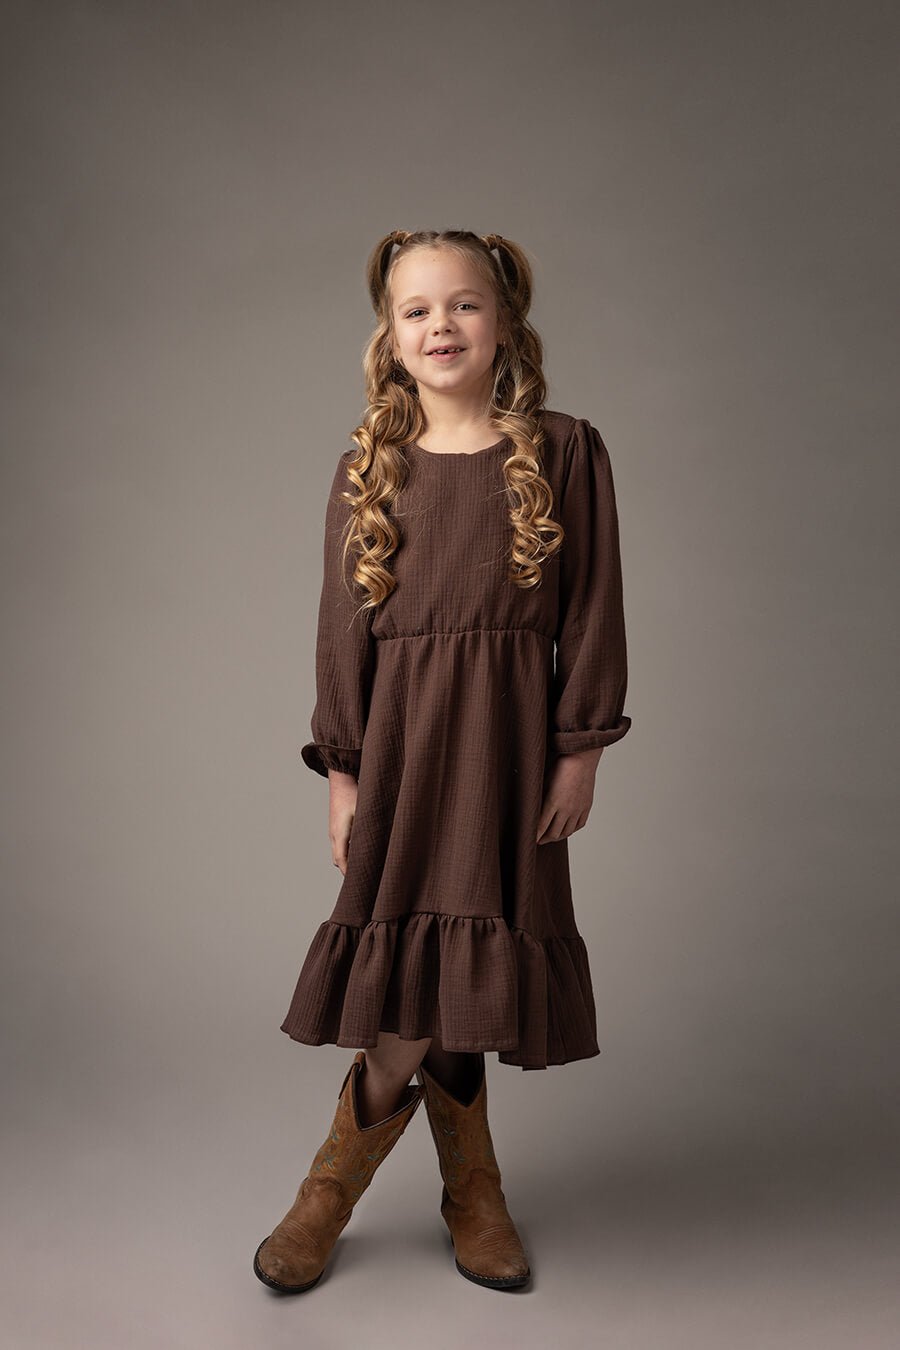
498,988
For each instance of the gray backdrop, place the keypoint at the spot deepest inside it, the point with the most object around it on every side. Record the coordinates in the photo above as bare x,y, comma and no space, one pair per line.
190,194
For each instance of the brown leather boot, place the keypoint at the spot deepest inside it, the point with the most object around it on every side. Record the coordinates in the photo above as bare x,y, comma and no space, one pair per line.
293,1257
485,1242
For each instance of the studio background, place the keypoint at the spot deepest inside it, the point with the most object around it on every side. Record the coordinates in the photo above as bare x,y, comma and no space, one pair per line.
707,195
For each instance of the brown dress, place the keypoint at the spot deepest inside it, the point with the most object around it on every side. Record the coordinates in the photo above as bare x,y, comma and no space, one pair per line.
451,919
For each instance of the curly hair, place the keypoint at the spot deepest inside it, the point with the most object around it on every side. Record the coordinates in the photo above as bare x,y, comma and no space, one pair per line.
394,417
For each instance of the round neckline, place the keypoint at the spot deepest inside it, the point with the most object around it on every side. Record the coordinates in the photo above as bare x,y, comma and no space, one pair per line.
458,454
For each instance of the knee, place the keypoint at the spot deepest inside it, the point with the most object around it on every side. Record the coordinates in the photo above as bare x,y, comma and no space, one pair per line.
395,1060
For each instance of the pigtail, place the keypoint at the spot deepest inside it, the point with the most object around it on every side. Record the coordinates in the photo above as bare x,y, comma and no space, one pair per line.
514,269
379,262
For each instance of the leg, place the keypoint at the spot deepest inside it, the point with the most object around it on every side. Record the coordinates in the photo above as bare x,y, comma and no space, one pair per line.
458,1072
392,1062
389,1066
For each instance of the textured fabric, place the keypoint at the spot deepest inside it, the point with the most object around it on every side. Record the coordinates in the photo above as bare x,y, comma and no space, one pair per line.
448,704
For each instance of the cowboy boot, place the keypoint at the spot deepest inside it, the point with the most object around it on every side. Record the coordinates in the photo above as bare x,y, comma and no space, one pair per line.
293,1257
486,1245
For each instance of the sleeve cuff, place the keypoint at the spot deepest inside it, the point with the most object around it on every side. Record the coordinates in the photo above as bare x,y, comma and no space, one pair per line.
570,742
321,758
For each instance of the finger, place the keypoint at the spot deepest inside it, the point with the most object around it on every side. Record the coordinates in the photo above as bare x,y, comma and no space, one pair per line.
544,823
550,834
574,824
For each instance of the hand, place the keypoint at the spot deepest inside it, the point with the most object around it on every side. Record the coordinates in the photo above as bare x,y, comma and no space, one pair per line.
343,791
568,795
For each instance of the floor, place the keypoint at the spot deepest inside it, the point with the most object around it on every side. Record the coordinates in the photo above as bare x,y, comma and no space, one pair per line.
131,1220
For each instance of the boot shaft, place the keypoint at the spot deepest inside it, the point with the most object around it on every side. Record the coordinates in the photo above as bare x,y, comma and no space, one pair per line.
352,1153
461,1134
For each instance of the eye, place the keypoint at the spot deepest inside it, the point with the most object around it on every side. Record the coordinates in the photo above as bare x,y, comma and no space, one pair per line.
467,304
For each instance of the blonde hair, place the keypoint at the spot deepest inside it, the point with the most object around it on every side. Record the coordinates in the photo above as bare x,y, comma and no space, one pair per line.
394,417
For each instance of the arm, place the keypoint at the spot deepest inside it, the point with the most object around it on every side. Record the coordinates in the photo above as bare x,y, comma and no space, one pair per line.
591,676
344,653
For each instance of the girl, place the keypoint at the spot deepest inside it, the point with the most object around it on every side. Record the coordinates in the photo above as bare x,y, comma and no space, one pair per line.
483,535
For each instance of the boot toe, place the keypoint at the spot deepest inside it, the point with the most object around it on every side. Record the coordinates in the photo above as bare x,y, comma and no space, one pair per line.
500,1274
499,1262
280,1267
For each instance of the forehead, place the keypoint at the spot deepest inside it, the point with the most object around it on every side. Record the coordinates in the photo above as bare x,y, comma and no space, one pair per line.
429,273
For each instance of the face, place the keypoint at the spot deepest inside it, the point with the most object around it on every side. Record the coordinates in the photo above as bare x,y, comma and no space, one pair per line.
439,300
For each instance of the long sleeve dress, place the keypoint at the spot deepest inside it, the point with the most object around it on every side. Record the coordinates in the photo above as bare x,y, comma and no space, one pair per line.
448,703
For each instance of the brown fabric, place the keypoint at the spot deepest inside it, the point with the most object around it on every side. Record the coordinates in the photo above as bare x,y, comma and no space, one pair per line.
451,920
486,1243
294,1255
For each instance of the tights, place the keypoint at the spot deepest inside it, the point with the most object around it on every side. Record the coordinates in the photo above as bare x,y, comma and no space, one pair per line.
389,1066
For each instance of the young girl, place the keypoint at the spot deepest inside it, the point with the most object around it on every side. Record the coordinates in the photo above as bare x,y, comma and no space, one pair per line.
470,539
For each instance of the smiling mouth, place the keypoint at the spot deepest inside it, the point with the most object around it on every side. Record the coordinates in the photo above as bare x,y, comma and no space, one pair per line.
445,351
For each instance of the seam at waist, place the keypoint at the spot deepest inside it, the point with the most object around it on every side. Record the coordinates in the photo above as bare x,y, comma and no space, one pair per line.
457,632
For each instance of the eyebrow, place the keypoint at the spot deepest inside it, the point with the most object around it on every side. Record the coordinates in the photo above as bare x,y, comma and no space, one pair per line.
464,290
